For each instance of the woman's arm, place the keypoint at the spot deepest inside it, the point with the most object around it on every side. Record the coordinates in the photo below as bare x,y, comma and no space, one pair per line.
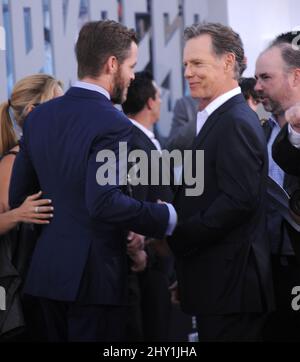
8,220
33,210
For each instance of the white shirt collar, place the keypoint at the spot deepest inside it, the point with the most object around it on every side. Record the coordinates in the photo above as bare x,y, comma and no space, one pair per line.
214,105
92,87
145,130
148,133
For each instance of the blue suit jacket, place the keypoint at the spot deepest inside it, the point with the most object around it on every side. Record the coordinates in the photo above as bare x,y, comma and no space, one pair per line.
58,154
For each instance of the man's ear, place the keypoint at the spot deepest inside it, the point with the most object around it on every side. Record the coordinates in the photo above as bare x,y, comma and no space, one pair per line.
229,62
296,77
112,65
149,103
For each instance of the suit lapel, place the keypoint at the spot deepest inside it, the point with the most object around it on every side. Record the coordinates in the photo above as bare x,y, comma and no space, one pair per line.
208,126
213,118
143,140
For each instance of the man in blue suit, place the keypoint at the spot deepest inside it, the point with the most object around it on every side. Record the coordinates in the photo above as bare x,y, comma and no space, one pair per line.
79,267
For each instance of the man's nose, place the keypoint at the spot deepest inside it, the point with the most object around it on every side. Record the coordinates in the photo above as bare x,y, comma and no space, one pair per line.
188,72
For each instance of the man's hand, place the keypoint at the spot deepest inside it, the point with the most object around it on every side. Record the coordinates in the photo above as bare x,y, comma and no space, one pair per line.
136,242
292,115
139,260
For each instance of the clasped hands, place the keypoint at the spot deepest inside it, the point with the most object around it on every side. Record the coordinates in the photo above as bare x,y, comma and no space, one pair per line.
135,250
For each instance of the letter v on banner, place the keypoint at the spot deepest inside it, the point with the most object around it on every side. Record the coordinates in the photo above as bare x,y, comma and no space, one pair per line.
27,24
103,9
166,70
64,33
194,11
130,10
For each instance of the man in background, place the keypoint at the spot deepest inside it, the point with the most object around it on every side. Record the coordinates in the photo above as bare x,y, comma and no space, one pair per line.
278,86
150,287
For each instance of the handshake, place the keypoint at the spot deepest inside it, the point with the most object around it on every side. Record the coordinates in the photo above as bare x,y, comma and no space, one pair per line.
135,248
136,252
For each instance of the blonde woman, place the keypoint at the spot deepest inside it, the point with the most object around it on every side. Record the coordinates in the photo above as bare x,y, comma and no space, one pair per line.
27,94
17,245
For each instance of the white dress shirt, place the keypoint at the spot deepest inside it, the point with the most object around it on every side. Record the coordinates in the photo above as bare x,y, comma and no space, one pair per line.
213,106
92,87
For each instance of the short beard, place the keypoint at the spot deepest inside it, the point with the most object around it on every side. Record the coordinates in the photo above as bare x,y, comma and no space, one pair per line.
275,108
118,93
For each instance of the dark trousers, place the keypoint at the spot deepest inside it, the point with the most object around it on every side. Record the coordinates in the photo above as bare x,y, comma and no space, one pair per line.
72,322
284,323
149,308
155,306
231,327
134,323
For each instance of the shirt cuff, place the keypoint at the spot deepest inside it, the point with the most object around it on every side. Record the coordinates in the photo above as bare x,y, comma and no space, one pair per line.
172,220
294,137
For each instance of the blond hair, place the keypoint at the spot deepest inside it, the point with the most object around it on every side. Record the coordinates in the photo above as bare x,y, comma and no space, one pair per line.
27,92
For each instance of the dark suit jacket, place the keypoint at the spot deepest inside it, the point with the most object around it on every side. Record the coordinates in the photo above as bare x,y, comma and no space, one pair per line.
288,158
154,281
59,151
151,192
285,154
290,183
223,256
139,141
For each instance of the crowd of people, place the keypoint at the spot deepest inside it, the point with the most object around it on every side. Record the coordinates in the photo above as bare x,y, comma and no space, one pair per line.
94,256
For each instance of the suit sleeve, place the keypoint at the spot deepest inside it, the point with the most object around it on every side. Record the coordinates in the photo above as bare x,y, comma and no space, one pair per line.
285,154
240,166
107,203
24,181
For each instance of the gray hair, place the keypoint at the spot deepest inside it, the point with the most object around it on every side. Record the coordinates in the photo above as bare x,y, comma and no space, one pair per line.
224,40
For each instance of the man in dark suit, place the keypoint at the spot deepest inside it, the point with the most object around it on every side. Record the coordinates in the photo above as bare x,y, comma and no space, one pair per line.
278,85
142,107
223,257
79,266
